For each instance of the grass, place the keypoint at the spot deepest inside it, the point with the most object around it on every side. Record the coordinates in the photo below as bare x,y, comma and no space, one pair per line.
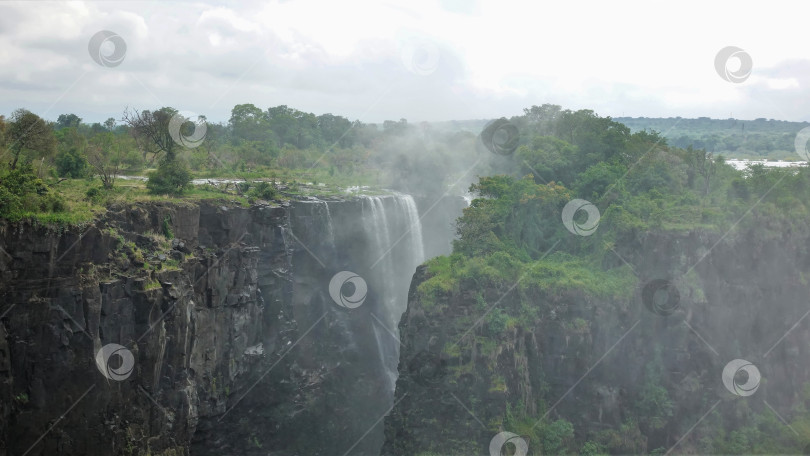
171,265
82,209
162,241
553,275
562,274
85,200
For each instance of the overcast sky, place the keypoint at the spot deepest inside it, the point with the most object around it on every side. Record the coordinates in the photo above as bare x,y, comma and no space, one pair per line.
415,59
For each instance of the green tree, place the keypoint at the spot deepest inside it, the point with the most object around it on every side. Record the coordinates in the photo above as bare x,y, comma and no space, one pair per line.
151,131
71,163
171,178
512,215
336,130
556,436
597,138
22,192
70,138
29,134
593,183
293,127
68,120
249,123
542,119
105,157
548,159
703,164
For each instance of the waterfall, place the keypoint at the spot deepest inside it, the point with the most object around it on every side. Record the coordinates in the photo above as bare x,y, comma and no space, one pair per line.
394,233
329,227
415,228
381,239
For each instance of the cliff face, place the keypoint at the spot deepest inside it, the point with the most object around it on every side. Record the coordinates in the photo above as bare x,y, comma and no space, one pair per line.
187,324
630,378
227,339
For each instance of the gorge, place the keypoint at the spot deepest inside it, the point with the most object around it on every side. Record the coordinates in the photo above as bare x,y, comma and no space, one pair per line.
250,333
607,296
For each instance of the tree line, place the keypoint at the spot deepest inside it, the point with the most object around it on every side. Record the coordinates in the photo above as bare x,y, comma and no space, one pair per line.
278,137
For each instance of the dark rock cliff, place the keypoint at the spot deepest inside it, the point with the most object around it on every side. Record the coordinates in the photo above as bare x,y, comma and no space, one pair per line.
587,360
187,312
236,346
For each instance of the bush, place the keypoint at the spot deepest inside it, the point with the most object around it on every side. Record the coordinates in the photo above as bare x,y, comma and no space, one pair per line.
95,194
23,181
263,190
71,163
21,192
171,178
10,204
167,227
52,202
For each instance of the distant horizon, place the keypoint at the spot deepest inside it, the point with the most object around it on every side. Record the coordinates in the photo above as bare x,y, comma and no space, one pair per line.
410,121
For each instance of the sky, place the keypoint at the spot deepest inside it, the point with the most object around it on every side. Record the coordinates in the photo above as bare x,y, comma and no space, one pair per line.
422,60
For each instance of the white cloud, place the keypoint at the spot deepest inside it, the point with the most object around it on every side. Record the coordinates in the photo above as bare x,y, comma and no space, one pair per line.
496,57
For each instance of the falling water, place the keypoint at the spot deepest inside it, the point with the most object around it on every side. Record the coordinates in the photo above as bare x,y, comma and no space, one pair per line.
415,228
393,229
329,227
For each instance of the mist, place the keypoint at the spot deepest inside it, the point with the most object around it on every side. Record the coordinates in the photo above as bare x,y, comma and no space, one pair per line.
434,228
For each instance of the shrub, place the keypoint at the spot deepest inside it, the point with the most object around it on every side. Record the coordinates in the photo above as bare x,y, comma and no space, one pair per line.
171,178
71,163
167,228
94,194
263,190
22,181
52,202
10,204
21,191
